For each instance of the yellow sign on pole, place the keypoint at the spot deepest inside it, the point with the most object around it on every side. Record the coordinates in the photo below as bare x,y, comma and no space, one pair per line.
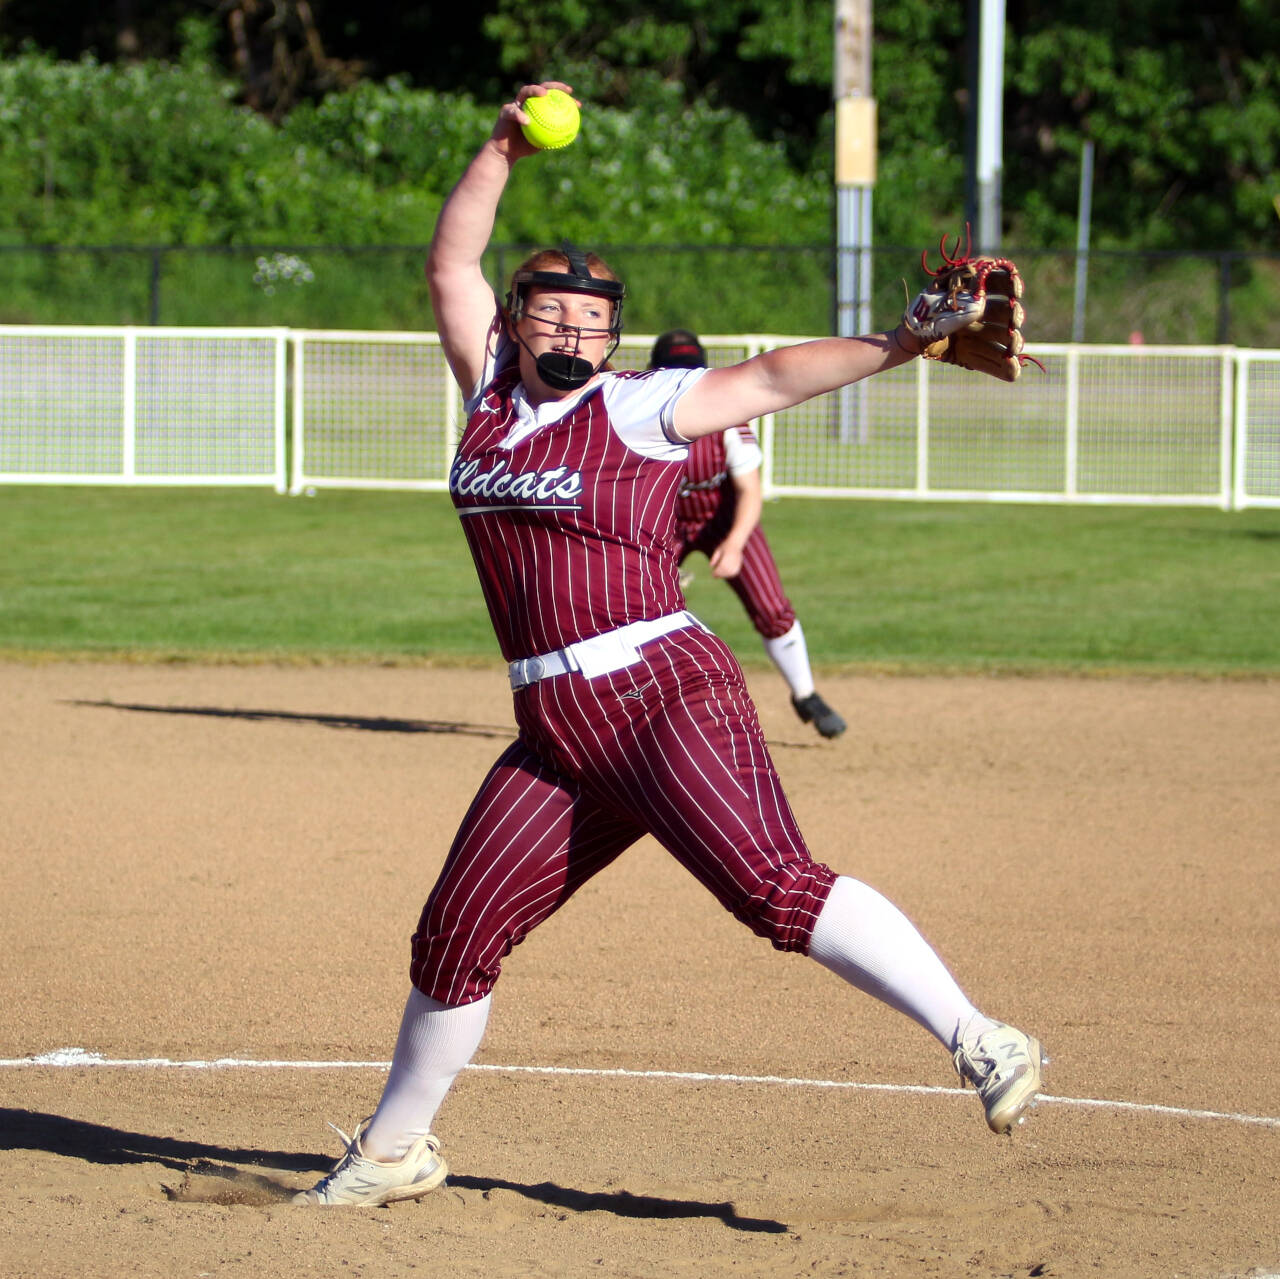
855,142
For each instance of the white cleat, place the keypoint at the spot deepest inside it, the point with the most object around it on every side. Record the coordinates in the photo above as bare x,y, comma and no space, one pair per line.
356,1181
1004,1065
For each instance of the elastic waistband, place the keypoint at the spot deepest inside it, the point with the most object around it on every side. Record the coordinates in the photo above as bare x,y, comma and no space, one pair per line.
601,654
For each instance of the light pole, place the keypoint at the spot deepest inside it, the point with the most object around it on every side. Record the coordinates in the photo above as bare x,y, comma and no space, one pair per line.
990,131
855,171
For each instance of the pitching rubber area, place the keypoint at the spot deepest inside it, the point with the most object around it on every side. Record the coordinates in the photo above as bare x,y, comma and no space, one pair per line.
210,875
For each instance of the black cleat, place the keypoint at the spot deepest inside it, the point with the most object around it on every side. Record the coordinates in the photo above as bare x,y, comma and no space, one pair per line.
813,710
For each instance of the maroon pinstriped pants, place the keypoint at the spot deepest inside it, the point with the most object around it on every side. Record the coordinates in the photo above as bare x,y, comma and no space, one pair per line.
758,584
670,746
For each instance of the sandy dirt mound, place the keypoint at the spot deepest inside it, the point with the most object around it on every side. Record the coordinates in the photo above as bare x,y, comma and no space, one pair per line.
210,875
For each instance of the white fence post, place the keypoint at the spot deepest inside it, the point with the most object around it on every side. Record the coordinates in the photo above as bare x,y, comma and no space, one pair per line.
280,410
764,433
1071,461
1230,369
1256,470
129,407
922,428
298,454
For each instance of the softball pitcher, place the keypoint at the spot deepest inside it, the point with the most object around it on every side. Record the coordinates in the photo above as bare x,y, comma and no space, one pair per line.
718,513
633,718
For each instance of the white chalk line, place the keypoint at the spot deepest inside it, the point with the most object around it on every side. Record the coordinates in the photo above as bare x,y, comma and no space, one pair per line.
79,1058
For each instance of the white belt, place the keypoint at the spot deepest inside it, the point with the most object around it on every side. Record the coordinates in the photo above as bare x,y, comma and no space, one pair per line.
600,654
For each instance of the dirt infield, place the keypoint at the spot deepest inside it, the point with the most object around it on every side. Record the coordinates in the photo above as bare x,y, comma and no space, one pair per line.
223,864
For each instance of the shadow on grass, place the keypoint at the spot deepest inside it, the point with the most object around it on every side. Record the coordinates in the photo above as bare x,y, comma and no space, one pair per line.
366,723
1235,532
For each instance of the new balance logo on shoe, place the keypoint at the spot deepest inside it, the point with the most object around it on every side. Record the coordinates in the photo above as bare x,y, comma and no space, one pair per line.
1004,1065
356,1181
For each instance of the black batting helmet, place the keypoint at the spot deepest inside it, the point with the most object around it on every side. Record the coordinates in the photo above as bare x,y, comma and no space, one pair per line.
678,349
577,279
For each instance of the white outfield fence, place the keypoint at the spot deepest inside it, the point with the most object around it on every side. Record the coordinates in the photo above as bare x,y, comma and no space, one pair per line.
91,405
301,409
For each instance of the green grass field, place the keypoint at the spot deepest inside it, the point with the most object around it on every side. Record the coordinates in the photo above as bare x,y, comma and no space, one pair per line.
234,574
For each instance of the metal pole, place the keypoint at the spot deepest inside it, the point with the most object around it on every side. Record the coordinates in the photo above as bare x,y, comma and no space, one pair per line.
853,268
1083,219
855,171
1224,300
156,255
990,124
973,28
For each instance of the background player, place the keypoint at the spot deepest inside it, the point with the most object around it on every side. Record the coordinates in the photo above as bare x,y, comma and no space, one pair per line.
718,513
634,719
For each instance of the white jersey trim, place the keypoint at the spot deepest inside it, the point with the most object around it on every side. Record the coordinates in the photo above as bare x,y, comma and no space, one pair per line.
742,453
640,408
641,411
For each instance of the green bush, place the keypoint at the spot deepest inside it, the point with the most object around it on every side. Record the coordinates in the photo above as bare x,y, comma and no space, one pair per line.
155,153
92,154
710,225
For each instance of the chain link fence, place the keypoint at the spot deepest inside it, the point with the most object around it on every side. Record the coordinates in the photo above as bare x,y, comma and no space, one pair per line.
1224,298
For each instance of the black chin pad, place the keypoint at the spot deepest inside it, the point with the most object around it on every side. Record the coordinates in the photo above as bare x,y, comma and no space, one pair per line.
564,372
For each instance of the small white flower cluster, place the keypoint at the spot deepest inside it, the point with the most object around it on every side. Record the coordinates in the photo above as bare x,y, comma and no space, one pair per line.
281,268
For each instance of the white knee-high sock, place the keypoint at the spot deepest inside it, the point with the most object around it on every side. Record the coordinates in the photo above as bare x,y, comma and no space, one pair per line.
436,1041
864,938
790,654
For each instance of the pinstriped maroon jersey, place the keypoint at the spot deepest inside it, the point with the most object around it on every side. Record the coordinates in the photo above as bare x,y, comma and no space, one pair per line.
707,483
570,526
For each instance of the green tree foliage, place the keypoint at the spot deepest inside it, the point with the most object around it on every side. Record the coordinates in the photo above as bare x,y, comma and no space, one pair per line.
773,64
298,48
92,153
154,153
708,119
1182,103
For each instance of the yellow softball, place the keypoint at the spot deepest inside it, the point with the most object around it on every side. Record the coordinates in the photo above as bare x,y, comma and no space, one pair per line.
553,120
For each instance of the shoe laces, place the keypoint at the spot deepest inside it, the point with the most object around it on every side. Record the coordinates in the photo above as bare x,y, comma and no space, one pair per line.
349,1142
351,1152
988,1059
